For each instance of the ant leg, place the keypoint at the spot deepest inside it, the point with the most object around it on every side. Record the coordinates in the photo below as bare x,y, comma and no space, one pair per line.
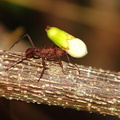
43,63
19,61
26,35
67,57
30,40
61,65
69,62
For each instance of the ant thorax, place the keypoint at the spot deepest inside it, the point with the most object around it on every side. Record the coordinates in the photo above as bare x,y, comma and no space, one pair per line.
51,52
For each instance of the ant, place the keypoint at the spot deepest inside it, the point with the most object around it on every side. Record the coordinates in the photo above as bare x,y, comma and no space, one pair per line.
49,53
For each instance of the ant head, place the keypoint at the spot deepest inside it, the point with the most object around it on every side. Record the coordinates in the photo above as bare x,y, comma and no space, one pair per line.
30,52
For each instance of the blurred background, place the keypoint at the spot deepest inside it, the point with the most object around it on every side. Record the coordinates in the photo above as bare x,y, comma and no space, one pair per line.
96,22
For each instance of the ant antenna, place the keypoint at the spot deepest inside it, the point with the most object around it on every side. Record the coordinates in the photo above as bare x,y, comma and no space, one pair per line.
67,57
23,57
61,65
19,61
44,66
29,38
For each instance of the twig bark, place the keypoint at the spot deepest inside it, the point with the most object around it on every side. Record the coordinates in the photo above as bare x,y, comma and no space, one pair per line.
80,87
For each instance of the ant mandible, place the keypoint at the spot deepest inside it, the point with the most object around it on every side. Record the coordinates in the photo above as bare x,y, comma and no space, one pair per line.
44,53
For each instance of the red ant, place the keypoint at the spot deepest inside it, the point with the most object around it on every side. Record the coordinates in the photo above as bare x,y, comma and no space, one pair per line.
44,53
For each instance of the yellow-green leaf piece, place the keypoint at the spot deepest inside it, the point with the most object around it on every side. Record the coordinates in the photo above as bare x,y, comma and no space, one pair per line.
59,37
75,47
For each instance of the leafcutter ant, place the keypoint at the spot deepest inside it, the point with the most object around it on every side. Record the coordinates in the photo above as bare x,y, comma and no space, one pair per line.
49,53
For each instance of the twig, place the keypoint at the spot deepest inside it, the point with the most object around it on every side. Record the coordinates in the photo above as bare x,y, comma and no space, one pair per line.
90,90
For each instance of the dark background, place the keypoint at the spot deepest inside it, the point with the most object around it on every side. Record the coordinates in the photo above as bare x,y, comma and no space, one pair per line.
96,22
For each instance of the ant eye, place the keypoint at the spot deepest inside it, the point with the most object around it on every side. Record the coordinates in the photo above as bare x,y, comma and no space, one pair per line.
73,46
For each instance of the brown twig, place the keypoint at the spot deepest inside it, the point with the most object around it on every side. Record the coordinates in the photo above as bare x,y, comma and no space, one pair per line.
90,90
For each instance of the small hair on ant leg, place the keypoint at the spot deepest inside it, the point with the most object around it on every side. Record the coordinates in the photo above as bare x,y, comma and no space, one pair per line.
49,53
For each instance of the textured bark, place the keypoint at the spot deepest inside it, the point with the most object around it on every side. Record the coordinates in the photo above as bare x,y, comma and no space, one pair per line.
80,87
